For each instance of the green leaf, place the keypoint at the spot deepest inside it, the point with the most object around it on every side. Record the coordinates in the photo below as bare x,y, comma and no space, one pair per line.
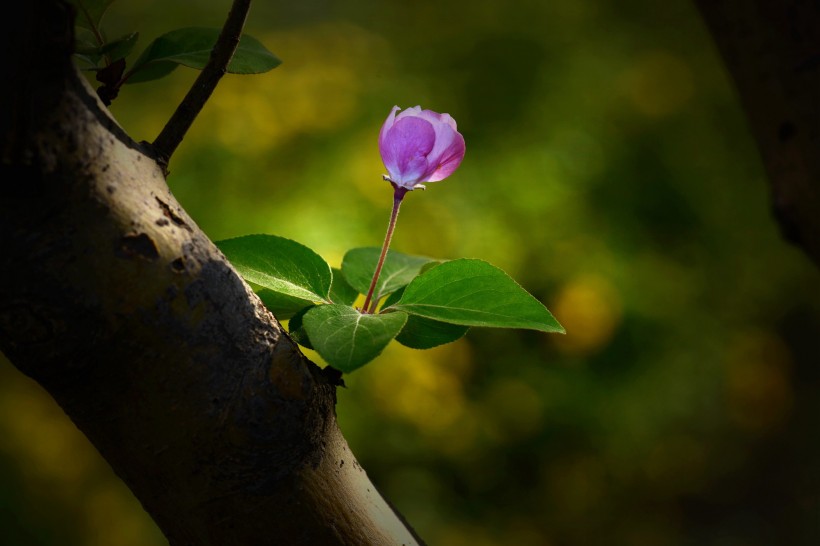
151,71
121,47
281,305
424,333
340,290
90,62
297,330
280,265
86,46
347,339
393,298
192,47
90,12
399,269
475,293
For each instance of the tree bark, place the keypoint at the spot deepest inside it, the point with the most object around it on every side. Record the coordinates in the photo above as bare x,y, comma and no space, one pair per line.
772,51
123,310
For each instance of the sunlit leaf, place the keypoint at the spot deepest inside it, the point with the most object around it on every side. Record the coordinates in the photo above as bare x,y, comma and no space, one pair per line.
393,298
348,339
424,333
283,306
475,293
280,265
399,269
340,290
296,328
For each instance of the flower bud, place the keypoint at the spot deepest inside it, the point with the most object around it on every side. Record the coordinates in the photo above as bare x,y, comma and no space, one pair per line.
419,146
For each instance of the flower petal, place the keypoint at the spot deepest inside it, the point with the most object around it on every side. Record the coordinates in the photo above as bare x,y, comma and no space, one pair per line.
420,146
449,148
413,111
404,149
448,160
388,123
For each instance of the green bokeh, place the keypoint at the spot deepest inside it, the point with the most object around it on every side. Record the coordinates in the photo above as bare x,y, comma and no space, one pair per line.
609,171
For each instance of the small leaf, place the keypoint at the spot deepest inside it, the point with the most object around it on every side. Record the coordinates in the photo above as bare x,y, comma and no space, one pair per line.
475,293
280,265
89,60
340,290
86,46
88,49
121,47
281,305
151,71
90,12
399,269
424,333
348,339
192,47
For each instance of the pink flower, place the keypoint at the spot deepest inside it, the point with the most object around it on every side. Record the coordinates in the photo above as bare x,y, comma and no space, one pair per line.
419,146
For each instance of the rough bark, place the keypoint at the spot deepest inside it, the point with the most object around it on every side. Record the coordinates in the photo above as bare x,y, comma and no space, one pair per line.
123,310
772,51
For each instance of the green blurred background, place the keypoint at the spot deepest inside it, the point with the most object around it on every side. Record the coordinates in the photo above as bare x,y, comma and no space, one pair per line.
608,170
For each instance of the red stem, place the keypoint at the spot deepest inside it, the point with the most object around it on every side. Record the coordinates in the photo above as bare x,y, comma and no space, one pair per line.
398,195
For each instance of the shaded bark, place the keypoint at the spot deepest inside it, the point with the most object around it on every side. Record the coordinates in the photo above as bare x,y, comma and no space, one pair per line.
772,51
123,310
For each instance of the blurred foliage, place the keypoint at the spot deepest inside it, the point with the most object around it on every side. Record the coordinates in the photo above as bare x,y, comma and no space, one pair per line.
609,171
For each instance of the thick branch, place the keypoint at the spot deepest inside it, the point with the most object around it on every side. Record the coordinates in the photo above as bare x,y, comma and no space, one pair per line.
124,311
174,131
772,51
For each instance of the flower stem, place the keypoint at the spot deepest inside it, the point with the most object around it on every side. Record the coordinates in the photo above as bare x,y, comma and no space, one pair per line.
398,195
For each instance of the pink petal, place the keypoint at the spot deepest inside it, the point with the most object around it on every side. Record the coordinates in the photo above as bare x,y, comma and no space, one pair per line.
435,118
388,123
405,147
448,119
413,111
448,160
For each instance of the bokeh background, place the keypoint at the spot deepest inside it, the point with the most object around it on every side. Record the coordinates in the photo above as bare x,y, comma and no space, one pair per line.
608,170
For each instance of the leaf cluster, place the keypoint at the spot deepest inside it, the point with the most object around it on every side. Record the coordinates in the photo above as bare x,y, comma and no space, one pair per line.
422,302
189,47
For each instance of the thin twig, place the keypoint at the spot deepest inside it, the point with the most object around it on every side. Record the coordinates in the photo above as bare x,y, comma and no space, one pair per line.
182,119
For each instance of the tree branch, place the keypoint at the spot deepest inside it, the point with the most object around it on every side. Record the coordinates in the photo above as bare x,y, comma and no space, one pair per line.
121,308
772,51
174,131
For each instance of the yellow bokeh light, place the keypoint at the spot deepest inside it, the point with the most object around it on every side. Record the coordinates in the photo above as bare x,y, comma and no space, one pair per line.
424,389
589,307
317,89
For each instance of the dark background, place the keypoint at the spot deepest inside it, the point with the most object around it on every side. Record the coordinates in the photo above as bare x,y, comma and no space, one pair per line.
608,170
